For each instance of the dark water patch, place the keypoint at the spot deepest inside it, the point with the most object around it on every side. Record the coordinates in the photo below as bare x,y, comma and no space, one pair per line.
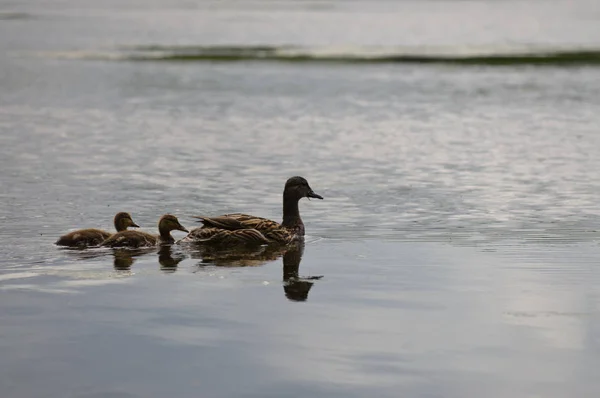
360,55
7,15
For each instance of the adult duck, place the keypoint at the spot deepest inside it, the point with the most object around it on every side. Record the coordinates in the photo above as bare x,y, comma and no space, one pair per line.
238,228
93,236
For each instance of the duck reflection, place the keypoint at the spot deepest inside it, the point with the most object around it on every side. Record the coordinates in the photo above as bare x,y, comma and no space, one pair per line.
241,256
295,288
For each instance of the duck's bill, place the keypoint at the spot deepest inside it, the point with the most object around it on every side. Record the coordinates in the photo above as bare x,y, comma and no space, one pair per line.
311,194
182,228
134,225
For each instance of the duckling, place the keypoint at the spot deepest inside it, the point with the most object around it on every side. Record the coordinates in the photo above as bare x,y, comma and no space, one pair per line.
92,236
166,224
243,228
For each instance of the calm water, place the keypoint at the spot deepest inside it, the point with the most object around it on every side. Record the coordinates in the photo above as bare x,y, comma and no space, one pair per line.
457,242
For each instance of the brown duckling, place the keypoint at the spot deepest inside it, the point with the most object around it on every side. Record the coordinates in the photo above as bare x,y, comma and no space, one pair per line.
243,228
92,236
166,224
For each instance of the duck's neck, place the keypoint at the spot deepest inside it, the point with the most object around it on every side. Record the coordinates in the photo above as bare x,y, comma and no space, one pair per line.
165,235
291,213
120,225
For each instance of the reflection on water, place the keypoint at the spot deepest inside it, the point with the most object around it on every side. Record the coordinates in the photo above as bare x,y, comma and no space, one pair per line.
241,256
124,258
295,287
167,260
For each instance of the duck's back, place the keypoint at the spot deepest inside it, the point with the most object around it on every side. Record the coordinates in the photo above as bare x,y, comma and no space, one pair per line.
130,239
239,221
83,237
271,230
225,237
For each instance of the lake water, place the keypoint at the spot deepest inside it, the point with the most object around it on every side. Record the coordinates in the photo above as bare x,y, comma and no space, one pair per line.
456,144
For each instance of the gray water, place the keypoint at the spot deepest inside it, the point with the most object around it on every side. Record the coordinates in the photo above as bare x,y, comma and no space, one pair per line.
457,244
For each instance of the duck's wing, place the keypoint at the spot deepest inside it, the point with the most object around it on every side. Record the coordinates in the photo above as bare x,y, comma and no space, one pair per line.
235,221
269,229
272,230
130,239
220,222
279,235
83,237
218,236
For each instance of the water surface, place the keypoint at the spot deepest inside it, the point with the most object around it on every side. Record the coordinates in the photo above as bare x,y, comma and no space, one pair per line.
455,253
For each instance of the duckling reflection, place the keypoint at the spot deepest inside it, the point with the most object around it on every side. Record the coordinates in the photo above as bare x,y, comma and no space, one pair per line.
83,253
124,258
168,262
295,287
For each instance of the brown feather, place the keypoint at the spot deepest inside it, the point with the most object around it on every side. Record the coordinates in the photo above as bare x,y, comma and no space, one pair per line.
269,231
219,237
222,223
83,237
130,239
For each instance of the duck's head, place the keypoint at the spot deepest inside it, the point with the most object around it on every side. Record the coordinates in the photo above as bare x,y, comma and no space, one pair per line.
168,223
298,188
123,221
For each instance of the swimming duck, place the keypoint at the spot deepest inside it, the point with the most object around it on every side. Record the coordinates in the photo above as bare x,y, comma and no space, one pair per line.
166,224
92,236
238,228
